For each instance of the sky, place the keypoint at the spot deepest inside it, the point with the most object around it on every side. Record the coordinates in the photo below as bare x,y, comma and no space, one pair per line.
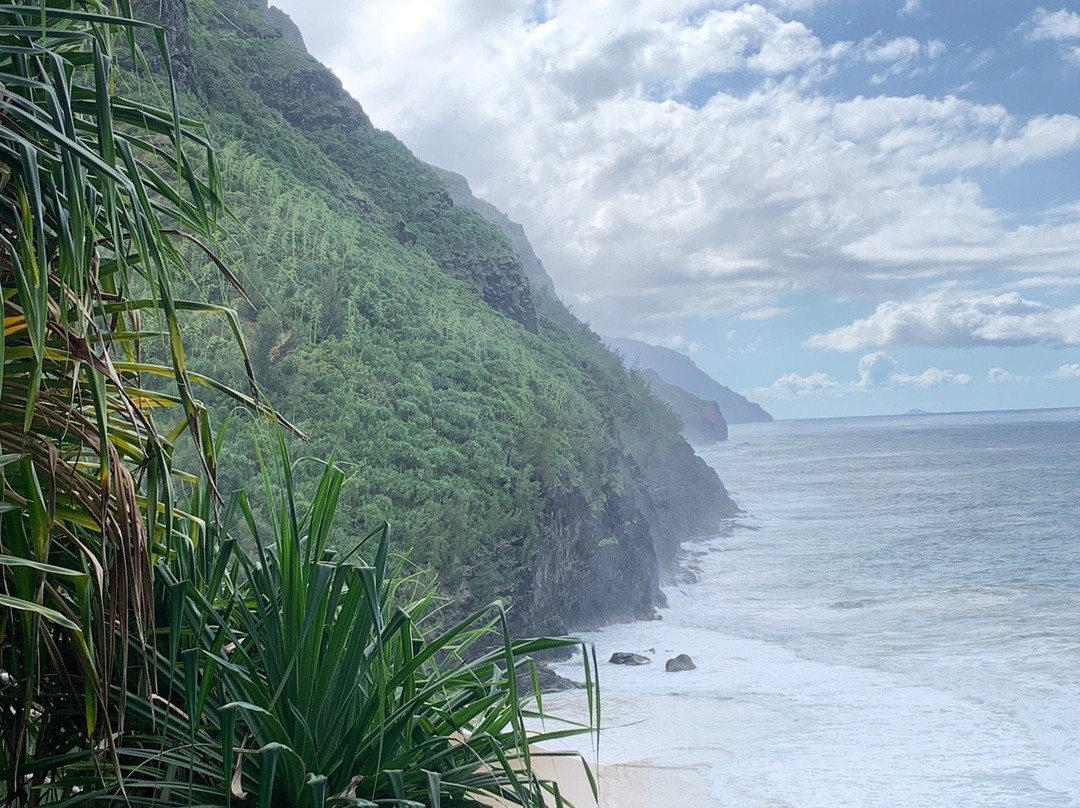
836,207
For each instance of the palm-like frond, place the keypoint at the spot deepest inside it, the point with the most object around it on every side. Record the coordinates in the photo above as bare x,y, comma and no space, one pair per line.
92,186
294,677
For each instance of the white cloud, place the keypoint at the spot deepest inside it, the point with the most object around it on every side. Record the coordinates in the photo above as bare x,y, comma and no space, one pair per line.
650,205
793,385
904,55
875,369
1053,25
931,377
1062,26
899,49
936,48
910,8
949,316
764,313
1069,371
1002,376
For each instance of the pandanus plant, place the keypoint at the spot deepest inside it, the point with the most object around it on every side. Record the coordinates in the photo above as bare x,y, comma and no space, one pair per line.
93,190
293,675
145,655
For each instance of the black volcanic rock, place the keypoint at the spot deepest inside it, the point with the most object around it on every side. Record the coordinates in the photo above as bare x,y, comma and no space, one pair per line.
682,662
627,658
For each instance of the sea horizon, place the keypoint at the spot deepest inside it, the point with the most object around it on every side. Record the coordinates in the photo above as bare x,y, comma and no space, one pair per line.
906,415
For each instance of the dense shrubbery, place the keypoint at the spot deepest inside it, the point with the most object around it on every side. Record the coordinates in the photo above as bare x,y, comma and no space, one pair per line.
161,652
373,335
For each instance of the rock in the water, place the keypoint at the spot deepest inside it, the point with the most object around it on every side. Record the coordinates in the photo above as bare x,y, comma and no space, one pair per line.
682,662
549,681
626,658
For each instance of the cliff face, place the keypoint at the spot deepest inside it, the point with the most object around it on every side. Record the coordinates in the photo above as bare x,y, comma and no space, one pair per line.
591,568
594,567
172,15
514,453
463,196
703,423
679,369
286,27
310,97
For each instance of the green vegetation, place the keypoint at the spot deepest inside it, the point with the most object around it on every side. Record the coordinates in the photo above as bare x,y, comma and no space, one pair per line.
161,652
397,330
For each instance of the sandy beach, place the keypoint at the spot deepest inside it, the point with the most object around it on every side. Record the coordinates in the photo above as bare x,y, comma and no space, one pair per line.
639,765
642,785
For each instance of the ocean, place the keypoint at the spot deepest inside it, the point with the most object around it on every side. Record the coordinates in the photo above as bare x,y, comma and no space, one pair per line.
894,621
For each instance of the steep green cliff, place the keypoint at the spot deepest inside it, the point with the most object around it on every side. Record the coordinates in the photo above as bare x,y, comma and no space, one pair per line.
513,453
462,194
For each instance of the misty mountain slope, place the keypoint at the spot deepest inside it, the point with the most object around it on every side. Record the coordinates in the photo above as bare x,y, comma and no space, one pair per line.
703,422
512,451
679,369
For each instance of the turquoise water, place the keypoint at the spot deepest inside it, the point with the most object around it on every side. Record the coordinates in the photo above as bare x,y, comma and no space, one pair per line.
896,622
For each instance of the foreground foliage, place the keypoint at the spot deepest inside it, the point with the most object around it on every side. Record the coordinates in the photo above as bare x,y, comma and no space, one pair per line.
91,186
289,675
146,656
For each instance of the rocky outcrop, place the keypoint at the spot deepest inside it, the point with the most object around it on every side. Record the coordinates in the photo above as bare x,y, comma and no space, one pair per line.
590,567
627,658
593,567
286,27
463,196
172,15
703,423
681,497
546,678
682,662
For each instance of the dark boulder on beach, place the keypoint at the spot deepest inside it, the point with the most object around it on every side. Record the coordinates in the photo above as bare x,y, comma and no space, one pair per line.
626,658
548,680
682,662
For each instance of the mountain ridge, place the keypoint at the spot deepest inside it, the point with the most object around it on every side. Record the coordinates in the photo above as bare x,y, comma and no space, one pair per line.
462,195
680,370
703,422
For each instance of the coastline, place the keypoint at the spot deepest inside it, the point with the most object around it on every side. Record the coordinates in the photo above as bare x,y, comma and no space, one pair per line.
644,707
848,638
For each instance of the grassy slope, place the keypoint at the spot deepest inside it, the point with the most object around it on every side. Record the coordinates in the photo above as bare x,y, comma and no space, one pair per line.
462,424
